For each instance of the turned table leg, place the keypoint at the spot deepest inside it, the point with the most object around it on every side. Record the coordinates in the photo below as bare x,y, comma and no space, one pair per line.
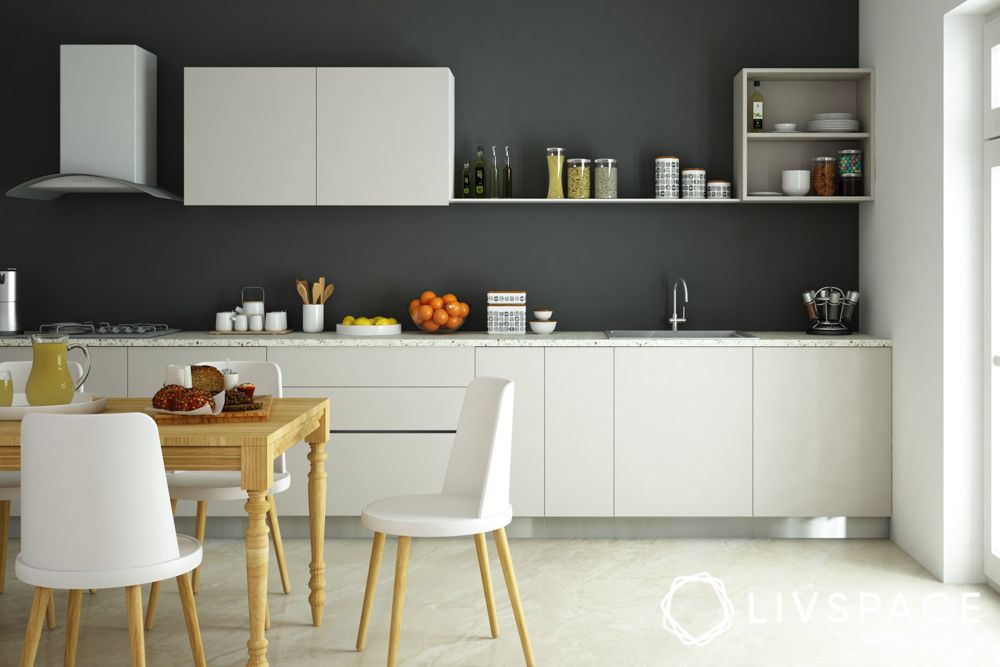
317,522
257,554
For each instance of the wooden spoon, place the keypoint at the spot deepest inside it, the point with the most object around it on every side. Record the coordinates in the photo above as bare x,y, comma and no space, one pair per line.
300,287
327,293
317,292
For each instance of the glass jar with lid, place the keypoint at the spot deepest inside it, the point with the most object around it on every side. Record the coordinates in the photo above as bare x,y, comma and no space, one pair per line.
578,178
606,178
824,176
555,158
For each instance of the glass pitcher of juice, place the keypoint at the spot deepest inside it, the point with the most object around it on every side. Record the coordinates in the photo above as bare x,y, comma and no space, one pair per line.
49,382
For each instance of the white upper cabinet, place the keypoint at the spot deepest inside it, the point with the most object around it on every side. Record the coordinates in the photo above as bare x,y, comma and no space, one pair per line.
385,135
287,136
250,135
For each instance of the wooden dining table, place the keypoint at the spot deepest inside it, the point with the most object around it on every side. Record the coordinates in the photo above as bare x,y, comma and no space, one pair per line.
250,448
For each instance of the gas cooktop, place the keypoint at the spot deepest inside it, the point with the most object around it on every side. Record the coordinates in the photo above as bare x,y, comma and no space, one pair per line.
107,330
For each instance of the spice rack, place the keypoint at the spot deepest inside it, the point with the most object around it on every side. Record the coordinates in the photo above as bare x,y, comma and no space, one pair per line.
795,95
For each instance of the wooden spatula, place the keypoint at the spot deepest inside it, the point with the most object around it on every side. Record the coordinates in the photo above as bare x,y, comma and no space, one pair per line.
300,287
327,293
317,292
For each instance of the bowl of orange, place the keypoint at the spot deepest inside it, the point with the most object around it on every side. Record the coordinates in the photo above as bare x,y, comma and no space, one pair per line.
438,314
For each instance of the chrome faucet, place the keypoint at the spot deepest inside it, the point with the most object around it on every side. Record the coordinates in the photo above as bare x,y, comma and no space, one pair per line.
674,320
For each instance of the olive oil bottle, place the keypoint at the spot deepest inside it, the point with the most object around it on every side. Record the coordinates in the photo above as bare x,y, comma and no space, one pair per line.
494,176
466,180
508,191
756,109
479,175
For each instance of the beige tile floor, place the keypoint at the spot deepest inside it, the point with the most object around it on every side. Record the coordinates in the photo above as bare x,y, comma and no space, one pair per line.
588,602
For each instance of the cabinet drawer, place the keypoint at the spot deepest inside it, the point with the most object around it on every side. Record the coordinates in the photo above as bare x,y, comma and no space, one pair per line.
147,365
364,467
389,408
375,366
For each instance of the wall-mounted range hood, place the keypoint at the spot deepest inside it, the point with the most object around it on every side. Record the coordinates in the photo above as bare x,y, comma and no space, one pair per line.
107,124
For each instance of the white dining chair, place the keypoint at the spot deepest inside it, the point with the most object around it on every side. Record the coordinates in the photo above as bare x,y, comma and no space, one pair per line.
474,500
95,513
10,482
205,486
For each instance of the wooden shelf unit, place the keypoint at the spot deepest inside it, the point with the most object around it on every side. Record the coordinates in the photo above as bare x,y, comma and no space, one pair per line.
795,95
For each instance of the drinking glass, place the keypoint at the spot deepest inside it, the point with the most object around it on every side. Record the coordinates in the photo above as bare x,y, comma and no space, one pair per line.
6,389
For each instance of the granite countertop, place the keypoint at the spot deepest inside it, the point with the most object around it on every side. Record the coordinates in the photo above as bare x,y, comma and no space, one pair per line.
469,339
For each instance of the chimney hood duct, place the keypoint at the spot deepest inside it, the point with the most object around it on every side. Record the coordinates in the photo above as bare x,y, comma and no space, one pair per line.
107,124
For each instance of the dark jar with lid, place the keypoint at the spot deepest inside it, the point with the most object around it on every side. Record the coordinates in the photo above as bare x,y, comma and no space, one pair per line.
850,185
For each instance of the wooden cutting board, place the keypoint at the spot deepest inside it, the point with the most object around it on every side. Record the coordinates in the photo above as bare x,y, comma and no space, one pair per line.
224,418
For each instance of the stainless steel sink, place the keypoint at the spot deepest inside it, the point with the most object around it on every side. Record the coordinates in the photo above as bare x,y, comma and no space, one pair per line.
622,333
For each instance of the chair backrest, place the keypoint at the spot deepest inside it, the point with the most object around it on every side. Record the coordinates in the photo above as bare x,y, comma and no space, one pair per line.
266,377
20,370
479,466
94,493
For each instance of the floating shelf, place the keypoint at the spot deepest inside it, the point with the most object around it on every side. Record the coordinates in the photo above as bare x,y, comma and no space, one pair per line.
807,136
576,202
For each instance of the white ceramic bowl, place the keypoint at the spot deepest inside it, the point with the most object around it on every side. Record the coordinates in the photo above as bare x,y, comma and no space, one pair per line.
543,315
795,182
544,327
784,127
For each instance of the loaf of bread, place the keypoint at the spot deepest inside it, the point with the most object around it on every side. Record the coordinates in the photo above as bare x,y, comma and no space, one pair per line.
207,378
176,398
164,398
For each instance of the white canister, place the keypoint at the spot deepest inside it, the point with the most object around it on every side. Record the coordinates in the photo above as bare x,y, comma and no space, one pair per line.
276,320
693,183
223,321
240,322
251,307
668,177
312,317
256,322
178,374
719,190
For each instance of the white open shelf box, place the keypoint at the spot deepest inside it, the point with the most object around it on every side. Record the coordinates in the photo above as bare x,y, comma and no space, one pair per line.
794,96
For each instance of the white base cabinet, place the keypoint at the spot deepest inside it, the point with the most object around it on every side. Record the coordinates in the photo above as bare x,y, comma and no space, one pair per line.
822,432
683,432
579,431
526,367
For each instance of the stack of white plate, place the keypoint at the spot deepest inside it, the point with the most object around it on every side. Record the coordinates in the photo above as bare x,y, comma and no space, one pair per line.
834,122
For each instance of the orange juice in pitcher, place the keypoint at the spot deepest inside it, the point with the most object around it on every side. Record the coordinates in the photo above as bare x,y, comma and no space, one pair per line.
50,382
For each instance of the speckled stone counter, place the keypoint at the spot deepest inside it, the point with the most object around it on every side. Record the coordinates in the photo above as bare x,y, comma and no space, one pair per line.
470,339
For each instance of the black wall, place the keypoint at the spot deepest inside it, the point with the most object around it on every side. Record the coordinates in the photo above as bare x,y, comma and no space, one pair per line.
629,79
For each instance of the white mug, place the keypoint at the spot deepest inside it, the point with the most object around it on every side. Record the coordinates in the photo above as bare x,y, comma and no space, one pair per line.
178,374
276,321
256,322
312,317
223,321
240,322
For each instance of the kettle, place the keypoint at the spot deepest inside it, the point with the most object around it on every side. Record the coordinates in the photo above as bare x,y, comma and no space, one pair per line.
9,321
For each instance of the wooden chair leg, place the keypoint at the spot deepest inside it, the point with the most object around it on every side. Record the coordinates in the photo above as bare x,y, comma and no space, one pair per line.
398,595
267,614
154,588
201,515
50,611
133,601
72,627
191,618
378,543
500,537
484,572
36,618
279,548
4,531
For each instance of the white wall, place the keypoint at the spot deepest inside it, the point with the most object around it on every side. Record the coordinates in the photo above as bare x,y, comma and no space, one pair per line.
921,282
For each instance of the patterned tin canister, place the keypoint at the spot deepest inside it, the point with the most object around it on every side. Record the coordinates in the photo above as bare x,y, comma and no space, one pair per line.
668,177
850,161
693,183
507,319
719,190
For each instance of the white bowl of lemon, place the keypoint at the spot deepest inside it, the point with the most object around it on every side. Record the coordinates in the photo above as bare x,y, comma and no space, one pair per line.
369,326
